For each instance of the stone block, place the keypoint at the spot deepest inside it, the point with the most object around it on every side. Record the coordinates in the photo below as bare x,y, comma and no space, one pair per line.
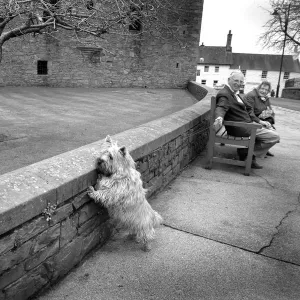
11,275
68,257
15,256
27,285
42,255
65,191
45,238
7,243
143,166
80,200
68,230
172,146
178,142
93,223
167,170
31,229
61,213
96,237
88,211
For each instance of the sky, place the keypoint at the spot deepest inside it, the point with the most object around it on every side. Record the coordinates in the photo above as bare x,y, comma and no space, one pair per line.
245,19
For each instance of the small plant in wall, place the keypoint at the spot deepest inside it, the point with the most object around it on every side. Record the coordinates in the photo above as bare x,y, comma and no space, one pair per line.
49,211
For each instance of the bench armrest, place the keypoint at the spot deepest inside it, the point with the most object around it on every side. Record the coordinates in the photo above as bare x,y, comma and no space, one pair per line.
242,124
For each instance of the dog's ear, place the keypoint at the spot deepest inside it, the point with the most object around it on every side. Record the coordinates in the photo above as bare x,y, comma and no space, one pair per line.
108,139
123,150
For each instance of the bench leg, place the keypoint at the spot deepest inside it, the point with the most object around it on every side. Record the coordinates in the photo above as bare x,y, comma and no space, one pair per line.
210,151
250,152
248,165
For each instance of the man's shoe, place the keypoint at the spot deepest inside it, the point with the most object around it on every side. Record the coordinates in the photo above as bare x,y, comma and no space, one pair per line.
269,154
255,165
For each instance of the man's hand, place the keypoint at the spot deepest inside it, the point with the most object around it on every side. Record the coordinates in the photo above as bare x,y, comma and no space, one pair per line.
265,124
218,123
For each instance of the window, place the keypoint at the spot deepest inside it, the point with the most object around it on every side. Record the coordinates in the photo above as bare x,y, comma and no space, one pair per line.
90,4
215,82
244,72
206,68
286,75
54,4
42,67
136,24
198,72
216,69
203,81
264,74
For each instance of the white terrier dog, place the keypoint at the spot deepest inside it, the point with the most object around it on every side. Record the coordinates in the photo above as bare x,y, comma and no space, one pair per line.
120,189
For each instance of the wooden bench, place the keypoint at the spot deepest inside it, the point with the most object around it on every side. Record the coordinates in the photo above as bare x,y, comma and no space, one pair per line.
221,137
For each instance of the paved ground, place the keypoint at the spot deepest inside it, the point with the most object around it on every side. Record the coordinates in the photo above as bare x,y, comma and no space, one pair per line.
225,236
38,123
286,103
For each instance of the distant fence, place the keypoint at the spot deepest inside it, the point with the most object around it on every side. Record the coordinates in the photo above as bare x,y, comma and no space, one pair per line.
48,223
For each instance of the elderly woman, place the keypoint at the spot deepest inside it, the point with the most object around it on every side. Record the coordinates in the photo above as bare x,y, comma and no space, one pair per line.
262,110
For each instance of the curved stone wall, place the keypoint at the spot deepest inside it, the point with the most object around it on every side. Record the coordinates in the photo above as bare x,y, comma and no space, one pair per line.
47,222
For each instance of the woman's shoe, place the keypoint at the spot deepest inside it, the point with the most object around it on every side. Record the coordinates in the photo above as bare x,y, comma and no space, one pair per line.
254,164
269,154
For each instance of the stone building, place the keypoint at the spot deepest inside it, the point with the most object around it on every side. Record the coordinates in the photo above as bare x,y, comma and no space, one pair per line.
59,60
216,63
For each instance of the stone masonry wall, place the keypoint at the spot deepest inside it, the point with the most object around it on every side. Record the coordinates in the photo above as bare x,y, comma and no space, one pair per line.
146,62
292,89
47,222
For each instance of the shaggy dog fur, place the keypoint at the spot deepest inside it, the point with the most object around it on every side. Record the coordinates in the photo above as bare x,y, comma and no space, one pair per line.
120,189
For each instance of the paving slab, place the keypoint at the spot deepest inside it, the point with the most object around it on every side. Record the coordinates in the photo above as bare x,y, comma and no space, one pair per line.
233,213
180,266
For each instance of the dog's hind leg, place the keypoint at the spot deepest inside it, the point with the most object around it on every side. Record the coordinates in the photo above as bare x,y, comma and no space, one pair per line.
145,242
146,245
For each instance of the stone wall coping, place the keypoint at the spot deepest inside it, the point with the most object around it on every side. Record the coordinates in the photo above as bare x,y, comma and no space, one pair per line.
26,192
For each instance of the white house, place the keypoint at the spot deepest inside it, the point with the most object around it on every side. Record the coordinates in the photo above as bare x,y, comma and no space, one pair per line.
216,63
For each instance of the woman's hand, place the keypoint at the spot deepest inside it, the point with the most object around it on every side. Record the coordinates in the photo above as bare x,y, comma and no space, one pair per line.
265,124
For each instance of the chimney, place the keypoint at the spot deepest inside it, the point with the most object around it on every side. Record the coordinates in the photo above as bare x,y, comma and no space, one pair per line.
296,54
228,44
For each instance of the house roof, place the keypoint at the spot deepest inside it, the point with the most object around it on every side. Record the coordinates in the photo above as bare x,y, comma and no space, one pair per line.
268,62
246,61
214,55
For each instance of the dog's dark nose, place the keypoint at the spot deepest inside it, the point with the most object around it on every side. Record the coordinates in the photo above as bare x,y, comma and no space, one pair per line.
100,161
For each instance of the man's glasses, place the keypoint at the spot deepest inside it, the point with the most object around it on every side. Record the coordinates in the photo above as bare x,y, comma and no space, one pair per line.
238,82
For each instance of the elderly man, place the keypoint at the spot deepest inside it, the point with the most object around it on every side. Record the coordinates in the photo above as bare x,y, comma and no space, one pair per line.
231,107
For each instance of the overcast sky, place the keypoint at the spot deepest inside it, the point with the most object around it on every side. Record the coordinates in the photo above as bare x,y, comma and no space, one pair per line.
244,18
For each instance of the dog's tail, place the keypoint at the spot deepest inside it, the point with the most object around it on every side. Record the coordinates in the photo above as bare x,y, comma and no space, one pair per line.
157,219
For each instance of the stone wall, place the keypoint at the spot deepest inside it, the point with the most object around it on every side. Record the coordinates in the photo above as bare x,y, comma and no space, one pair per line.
292,89
144,62
47,222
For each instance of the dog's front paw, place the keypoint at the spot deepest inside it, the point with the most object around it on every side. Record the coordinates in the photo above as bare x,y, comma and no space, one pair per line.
91,191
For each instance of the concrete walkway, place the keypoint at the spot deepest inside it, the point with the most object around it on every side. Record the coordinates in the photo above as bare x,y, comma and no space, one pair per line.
226,236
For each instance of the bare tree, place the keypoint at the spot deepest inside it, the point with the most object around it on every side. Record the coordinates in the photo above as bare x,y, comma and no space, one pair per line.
283,27
92,17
